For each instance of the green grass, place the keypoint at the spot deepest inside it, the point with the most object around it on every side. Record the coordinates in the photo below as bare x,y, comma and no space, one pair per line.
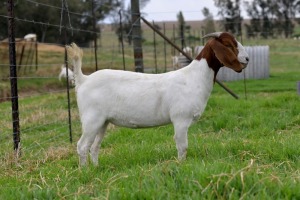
238,149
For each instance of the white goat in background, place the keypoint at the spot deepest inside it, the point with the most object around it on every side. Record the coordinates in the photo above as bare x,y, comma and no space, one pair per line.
188,51
181,61
138,100
31,37
63,74
175,62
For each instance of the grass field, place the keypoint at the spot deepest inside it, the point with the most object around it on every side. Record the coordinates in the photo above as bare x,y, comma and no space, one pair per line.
238,149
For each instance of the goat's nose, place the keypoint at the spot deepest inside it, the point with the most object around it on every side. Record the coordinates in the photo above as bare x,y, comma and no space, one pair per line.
247,59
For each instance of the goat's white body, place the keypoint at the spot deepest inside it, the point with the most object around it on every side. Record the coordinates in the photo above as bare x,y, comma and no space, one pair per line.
139,100
145,100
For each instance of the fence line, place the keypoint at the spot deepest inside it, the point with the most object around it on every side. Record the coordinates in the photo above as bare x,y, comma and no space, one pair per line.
110,47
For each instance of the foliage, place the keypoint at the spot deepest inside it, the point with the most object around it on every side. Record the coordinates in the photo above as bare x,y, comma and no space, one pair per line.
122,26
268,18
51,16
123,23
209,26
271,18
258,10
229,10
182,28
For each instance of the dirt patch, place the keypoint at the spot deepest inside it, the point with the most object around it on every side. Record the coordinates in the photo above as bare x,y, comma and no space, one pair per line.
4,91
50,47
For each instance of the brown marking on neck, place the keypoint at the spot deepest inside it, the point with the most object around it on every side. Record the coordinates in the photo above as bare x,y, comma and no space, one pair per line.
212,61
228,41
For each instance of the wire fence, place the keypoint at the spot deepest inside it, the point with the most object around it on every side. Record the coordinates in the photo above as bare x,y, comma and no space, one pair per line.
44,107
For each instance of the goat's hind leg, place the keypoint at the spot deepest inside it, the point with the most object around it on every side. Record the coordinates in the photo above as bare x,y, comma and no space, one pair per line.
95,148
90,128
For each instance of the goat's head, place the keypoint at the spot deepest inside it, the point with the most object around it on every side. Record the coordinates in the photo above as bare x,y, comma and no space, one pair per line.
224,50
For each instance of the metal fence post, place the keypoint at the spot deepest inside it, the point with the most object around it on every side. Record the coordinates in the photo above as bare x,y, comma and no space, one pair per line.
137,36
95,35
64,14
165,49
121,39
13,76
154,50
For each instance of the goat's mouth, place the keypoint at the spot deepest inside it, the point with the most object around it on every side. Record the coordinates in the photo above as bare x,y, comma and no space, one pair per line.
244,65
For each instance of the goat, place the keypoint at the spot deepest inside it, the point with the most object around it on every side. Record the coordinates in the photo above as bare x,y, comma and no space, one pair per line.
137,100
188,51
63,74
181,61
175,62
31,37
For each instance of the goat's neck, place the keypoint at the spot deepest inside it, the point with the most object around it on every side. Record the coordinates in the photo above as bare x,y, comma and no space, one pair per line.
201,79
212,61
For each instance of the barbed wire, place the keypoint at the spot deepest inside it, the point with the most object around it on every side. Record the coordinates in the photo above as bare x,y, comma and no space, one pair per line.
32,146
42,139
128,34
58,8
55,128
43,65
49,24
28,130
25,111
23,96
44,127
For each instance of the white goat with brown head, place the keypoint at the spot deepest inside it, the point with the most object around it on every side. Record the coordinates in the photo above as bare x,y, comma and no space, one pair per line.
139,100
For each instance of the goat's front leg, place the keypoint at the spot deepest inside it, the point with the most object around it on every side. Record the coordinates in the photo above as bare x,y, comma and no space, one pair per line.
180,137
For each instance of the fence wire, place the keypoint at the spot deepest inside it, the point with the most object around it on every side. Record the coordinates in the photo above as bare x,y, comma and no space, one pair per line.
43,106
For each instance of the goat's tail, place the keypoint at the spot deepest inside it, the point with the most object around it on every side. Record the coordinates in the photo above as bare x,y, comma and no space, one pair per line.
75,56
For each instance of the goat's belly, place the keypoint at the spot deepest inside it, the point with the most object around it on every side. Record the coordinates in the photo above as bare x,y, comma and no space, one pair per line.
133,122
148,112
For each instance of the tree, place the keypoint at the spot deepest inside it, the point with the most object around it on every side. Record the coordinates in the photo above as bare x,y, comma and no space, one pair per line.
209,25
181,28
44,17
272,17
229,10
125,11
286,11
125,30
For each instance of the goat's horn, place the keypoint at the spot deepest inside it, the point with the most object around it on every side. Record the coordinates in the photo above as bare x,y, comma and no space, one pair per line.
215,35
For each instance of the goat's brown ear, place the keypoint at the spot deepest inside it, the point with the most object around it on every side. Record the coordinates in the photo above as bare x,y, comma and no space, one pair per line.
225,56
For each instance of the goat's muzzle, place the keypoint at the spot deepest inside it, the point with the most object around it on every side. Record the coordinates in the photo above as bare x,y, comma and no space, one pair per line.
244,65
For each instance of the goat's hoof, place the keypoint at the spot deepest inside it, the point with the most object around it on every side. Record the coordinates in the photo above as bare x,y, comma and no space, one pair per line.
181,158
